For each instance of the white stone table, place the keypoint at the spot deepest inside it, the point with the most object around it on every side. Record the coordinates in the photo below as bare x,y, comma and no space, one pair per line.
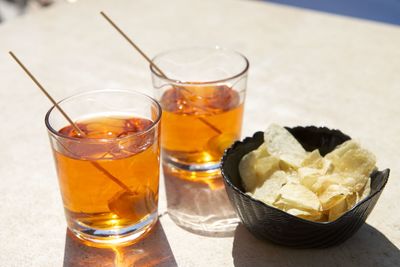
306,68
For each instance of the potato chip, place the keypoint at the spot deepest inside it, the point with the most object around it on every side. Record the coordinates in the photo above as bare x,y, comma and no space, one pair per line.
356,161
253,172
293,177
352,200
281,144
349,157
269,190
326,166
308,176
366,190
264,167
337,210
285,166
261,151
299,197
333,195
353,181
255,167
316,161
312,159
323,182
341,149
305,214
247,172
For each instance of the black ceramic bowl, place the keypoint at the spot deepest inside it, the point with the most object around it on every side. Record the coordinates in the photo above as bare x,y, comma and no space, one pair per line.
269,223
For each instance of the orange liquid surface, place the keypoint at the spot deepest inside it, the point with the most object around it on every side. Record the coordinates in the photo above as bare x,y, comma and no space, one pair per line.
108,183
200,122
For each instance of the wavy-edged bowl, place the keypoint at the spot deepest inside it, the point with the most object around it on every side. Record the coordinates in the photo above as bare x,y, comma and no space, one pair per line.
266,222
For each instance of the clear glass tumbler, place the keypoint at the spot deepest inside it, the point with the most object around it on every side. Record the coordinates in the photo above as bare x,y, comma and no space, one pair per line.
202,93
109,175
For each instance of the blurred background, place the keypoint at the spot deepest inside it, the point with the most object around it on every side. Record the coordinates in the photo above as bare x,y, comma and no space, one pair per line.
387,11
10,9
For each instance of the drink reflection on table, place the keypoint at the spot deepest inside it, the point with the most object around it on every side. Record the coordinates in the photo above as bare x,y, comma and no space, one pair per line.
154,250
201,206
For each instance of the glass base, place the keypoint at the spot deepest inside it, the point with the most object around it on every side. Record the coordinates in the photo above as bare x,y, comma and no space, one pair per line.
217,226
115,237
192,172
182,165
198,202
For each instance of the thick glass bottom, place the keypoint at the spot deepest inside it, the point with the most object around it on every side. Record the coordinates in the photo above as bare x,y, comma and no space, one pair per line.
191,171
199,205
114,237
214,225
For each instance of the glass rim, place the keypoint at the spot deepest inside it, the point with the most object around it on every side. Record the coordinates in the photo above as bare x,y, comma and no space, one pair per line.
194,83
103,140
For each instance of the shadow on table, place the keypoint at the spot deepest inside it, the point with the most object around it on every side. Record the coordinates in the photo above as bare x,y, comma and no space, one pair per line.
154,250
368,247
200,207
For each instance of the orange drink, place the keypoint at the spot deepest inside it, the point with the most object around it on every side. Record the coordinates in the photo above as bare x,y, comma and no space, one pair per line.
202,93
109,177
208,119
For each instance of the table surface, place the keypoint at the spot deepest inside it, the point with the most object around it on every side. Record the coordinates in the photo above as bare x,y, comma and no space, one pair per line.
306,68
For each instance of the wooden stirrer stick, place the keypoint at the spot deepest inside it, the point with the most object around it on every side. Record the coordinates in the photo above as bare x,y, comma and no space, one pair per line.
134,45
76,128
151,63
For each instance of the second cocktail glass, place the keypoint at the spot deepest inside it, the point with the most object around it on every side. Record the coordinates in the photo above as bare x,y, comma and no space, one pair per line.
202,99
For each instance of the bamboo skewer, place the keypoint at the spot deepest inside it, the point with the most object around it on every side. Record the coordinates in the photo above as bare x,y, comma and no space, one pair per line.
133,44
76,128
161,73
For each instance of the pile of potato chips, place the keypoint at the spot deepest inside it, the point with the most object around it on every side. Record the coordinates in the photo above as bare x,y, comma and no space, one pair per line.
283,175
